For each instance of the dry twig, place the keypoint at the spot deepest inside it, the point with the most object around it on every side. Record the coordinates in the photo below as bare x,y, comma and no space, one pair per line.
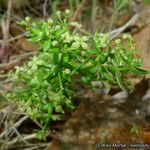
116,32
13,38
78,11
5,30
19,61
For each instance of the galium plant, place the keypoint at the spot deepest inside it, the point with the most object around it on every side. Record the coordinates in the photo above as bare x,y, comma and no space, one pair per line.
45,85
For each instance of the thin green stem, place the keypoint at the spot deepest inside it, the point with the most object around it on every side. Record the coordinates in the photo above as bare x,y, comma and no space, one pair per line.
75,70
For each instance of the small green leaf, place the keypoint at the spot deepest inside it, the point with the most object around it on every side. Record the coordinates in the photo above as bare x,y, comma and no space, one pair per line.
119,80
56,117
131,56
35,39
46,45
60,32
140,71
124,59
124,69
50,108
94,69
46,27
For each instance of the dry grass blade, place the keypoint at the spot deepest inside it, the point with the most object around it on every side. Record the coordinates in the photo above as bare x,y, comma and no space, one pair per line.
17,124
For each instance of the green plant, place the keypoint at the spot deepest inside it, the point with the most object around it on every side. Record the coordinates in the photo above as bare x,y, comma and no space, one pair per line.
135,129
45,85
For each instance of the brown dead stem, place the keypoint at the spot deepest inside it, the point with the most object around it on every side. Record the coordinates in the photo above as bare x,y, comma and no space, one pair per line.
19,61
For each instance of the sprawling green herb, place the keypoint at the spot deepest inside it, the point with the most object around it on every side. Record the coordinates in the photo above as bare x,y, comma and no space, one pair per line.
45,85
